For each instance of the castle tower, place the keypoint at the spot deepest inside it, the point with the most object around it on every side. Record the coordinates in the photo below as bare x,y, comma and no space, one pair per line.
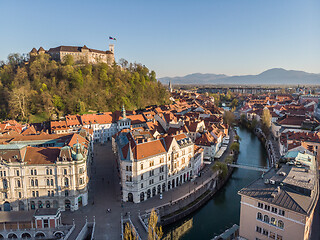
111,48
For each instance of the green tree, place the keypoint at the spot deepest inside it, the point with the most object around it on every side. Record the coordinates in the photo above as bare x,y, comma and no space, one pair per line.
266,118
222,168
228,118
234,103
235,147
68,60
254,123
237,138
266,121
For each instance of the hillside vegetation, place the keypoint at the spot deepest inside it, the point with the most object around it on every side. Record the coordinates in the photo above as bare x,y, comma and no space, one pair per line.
42,88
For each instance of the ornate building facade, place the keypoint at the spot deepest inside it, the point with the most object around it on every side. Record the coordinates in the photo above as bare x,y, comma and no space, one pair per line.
34,176
150,166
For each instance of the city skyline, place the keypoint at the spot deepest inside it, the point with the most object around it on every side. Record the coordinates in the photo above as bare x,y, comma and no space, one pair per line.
174,38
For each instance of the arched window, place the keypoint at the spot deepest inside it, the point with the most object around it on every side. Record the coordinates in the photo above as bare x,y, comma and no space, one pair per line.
273,221
35,172
66,182
51,182
18,183
48,182
36,182
280,224
259,216
266,218
32,182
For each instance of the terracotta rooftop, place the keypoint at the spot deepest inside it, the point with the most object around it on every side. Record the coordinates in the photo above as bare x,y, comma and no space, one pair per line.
41,155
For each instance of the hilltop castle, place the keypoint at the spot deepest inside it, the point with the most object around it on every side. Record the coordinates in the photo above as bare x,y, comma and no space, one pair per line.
80,54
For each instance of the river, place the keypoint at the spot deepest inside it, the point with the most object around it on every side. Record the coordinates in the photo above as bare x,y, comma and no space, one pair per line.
223,210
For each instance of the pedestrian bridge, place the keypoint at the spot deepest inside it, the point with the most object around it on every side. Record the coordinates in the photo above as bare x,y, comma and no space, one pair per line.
260,169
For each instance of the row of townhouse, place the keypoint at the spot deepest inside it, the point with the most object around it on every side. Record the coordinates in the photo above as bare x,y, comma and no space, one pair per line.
103,125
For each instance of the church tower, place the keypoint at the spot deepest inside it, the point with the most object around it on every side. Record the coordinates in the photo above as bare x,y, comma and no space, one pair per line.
123,112
170,86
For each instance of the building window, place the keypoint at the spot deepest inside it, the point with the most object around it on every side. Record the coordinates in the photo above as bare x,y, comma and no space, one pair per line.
141,176
259,216
20,195
260,205
48,182
45,223
281,212
267,207
141,166
65,171
31,172
48,193
266,218
258,229
47,171
280,224
272,235
36,182
265,232
52,193
18,173
279,237
51,181
18,183
80,170
274,210
141,185
5,195
33,194
37,193
35,172
66,182
273,221
32,182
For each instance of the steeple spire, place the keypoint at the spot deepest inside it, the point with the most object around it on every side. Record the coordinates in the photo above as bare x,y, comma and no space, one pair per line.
170,86
123,112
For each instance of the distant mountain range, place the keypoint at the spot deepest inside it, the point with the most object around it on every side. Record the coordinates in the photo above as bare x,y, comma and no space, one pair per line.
274,76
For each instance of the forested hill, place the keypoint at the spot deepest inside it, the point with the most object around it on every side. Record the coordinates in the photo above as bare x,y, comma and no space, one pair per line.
37,90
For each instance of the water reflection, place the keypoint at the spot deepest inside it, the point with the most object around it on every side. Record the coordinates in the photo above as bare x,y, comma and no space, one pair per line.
176,233
223,210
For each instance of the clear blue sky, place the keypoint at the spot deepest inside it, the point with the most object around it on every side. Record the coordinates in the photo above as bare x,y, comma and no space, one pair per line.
174,37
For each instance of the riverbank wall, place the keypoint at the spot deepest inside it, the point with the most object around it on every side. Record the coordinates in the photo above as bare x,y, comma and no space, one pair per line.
176,211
